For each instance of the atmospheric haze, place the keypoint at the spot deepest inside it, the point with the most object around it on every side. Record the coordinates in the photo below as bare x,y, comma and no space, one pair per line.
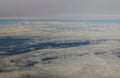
56,49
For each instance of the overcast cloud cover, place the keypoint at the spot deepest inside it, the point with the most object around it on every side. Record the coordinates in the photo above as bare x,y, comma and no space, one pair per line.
59,48
59,8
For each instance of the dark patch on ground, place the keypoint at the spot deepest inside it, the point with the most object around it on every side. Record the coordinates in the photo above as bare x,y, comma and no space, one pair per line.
16,45
116,54
48,58
1,70
45,45
10,43
99,53
27,63
83,54
30,63
7,41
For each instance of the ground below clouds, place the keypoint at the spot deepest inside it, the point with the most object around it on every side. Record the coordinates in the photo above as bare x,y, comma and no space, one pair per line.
66,59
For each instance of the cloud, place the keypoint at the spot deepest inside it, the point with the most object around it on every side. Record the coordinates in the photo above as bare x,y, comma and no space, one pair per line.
99,58
72,62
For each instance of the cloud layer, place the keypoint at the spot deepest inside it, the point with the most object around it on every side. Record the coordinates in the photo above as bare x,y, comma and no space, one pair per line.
60,50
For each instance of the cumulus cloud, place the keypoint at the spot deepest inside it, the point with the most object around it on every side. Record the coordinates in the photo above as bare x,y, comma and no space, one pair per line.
64,50
70,30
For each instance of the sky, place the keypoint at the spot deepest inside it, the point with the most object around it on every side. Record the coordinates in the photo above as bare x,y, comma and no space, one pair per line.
45,9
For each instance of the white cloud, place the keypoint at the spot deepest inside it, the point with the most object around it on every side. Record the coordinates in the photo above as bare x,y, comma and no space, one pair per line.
100,58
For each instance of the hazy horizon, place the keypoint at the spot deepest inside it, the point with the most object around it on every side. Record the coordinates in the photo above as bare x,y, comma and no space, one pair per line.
59,9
